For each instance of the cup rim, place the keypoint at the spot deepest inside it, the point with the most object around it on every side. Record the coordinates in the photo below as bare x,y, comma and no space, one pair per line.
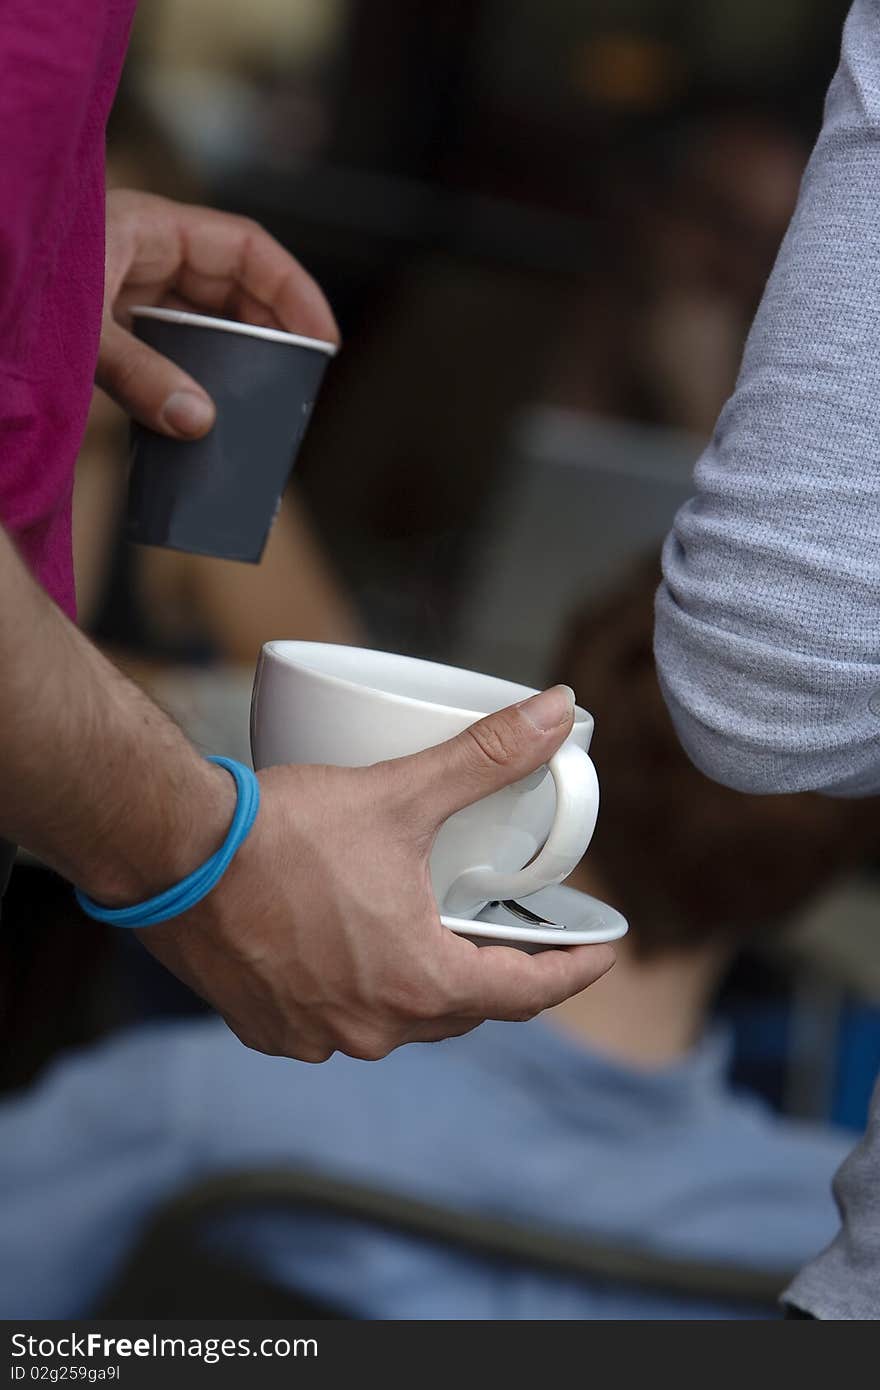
581,716
249,330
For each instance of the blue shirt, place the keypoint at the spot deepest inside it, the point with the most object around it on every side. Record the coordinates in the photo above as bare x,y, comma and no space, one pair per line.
513,1120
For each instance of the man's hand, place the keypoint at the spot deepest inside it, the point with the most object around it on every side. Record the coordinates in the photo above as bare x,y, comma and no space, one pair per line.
184,257
324,934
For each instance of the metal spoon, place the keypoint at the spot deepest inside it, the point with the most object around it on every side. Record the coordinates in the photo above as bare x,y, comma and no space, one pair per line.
531,919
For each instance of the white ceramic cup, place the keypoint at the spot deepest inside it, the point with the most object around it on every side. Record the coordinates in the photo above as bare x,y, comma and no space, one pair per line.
347,706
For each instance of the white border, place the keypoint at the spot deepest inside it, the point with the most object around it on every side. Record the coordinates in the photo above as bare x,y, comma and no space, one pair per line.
249,330
612,930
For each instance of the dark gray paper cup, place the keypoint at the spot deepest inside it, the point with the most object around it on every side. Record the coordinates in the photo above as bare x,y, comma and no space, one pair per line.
219,495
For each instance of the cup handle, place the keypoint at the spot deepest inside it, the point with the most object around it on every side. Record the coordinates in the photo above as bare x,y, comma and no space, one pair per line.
577,807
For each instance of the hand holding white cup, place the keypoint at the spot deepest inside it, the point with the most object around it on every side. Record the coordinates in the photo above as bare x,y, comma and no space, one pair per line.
325,935
346,706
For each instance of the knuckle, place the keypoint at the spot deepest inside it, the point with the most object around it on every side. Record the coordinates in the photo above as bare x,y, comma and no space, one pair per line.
494,741
298,1049
254,1041
524,1009
525,1013
250,227
367,1045
315,1055
532,1007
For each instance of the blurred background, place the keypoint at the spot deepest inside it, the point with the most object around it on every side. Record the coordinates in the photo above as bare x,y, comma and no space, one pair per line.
544,228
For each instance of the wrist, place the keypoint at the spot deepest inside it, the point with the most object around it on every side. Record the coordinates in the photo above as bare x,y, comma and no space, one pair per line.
253,864
189,828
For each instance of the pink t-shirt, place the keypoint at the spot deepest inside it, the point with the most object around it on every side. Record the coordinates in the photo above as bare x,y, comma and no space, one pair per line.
60,62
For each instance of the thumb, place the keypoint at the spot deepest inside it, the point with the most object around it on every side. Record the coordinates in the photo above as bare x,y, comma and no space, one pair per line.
150,387
489,755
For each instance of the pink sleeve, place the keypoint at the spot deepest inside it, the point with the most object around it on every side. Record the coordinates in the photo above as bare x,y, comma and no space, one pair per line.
48,55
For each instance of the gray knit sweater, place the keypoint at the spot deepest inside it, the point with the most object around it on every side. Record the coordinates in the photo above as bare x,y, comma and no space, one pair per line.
768,620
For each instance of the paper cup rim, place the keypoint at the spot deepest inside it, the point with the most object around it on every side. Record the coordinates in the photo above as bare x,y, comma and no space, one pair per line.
248,330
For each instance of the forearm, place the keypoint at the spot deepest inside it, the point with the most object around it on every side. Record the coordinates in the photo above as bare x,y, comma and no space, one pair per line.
768,632
94,778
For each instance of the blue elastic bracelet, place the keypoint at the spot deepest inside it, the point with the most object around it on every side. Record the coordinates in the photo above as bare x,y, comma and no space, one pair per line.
196,885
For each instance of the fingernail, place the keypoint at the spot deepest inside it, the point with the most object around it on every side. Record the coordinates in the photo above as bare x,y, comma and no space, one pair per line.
549,709
187,413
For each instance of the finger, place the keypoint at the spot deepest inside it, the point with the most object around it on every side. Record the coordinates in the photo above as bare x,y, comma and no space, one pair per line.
508,984
150,387
491,754
302,1045
222,254
453,1027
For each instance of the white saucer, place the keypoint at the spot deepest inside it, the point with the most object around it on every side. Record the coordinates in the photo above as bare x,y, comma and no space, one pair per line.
586,921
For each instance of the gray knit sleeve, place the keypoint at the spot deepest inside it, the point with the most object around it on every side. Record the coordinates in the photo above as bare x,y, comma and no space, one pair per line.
768,619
